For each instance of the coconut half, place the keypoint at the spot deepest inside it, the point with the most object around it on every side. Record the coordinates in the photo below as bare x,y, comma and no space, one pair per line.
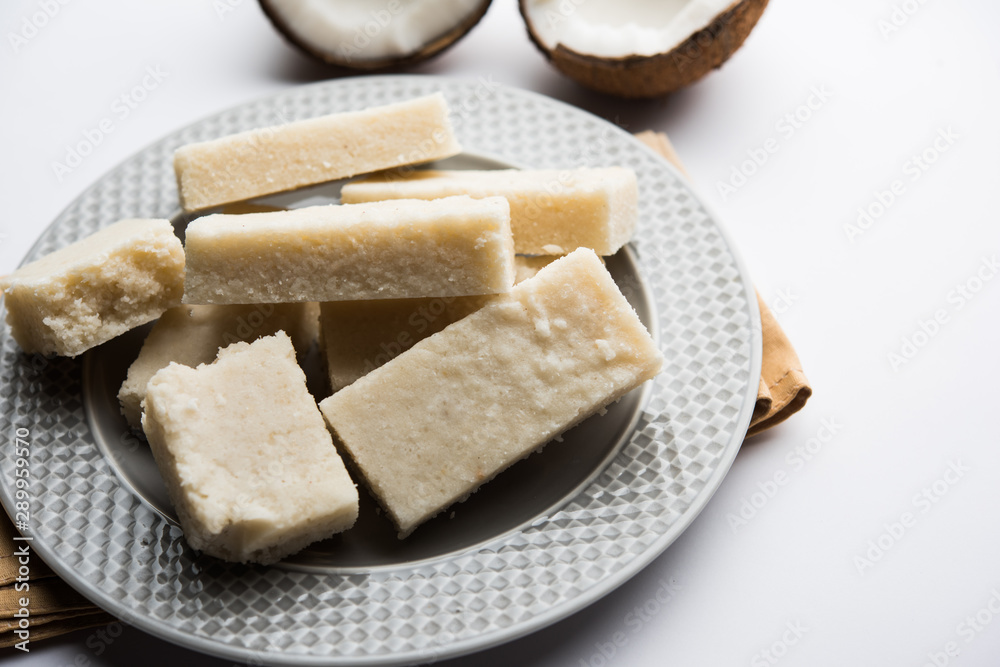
639,48
373,34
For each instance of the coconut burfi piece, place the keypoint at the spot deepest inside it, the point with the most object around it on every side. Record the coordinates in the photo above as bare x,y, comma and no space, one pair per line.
356,337
274,159
402,249
247,460
192,335
552,212
87,293
429,427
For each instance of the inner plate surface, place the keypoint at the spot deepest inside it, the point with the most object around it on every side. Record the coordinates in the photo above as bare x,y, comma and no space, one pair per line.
644,471
522,494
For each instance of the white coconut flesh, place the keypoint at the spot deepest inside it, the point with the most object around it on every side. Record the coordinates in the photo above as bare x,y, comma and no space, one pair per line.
619,28
372,29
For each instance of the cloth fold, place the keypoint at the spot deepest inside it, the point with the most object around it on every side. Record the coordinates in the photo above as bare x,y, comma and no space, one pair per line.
783,389
53,607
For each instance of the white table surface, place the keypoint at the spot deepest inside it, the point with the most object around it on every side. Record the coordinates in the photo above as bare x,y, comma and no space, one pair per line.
886,435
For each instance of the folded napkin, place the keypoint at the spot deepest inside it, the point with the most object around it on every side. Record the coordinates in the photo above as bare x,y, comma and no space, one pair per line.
54,608
783,388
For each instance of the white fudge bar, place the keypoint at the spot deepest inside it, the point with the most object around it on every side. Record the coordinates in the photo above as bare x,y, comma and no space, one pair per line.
306,152
552,211
192,335
248,462
429,427
384,250
87,293
356,337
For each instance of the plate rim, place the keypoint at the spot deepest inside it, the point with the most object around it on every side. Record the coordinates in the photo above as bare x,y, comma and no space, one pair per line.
458,648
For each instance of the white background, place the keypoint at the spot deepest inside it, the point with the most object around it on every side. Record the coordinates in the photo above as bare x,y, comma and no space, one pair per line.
847,302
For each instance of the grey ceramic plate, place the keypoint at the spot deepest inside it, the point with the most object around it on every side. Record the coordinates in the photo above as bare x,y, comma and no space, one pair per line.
556,532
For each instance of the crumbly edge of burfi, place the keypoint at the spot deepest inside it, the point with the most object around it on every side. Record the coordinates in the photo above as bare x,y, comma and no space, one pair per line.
94,299
624,203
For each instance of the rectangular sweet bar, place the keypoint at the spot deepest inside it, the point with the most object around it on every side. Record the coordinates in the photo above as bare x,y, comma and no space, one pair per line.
275,159
247,460
552,212
87,293
384,250
429,427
